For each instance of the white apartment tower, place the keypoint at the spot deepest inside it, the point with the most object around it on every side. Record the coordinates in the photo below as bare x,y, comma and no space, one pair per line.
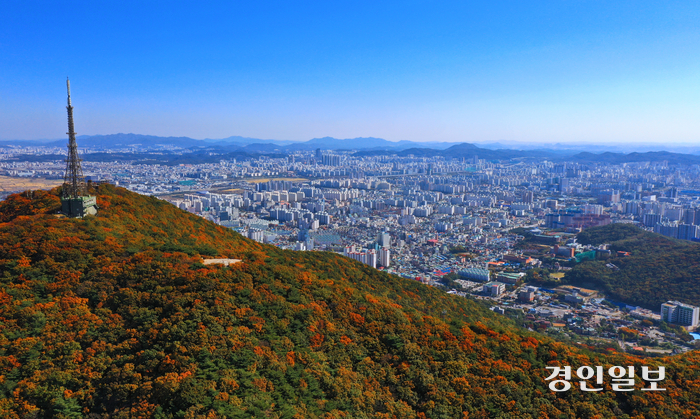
384,257
679,313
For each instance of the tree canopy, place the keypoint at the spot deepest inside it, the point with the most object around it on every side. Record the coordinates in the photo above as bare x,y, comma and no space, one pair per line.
657,270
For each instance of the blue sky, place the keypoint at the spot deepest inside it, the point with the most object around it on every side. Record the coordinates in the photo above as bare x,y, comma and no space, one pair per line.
558,71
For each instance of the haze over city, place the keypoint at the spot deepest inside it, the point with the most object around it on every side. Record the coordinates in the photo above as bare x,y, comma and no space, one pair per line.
567,72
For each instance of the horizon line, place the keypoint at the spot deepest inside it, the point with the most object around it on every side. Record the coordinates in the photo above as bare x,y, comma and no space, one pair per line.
519,142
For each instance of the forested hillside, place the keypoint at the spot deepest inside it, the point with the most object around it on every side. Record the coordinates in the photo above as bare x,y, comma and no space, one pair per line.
116,316
658,268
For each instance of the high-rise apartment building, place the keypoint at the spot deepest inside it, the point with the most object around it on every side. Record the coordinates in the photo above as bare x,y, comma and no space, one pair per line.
384,257
384,239
679,313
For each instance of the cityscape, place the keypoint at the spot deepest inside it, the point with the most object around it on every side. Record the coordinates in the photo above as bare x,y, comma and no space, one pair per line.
455,223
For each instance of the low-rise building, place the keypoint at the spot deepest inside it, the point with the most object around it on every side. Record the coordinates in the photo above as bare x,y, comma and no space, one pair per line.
509,277
494,289
527,294
478,274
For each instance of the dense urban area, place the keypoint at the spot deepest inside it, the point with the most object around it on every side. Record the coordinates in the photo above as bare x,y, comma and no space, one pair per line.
500,231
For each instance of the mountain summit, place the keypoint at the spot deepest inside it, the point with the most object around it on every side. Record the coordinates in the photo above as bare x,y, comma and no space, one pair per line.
117,315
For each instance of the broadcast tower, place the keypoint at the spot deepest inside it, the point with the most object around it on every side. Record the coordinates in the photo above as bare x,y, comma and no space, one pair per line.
75,201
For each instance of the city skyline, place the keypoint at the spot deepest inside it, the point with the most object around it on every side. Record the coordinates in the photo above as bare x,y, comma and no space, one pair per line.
559,73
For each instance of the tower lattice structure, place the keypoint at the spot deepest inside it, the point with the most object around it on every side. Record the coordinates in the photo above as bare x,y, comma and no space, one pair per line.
75,201
73,181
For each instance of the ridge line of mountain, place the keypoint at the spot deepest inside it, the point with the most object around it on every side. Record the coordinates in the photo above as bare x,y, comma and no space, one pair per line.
363,146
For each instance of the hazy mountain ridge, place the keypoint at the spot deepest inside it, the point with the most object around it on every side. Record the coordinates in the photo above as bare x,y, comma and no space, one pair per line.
637,157
368,146
466,150
326,143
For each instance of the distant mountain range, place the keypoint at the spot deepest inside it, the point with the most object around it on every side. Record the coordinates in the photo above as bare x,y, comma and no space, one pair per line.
365,146
466,150
655,156
235,143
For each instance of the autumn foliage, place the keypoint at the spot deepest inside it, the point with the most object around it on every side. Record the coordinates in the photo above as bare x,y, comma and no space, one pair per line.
116,316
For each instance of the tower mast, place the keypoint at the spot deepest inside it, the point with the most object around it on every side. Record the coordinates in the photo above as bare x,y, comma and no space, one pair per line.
73,181
75,201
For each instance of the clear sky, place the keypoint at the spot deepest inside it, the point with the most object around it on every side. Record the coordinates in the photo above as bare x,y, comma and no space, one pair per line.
481,71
